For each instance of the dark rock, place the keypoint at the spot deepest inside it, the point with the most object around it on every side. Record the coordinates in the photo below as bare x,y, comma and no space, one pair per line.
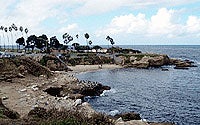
128,116
164,69
54,91
94,90
163,123
39,112
177,67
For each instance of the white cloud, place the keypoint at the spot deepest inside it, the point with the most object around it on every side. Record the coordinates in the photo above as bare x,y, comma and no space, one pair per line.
163,23
70,28
193,24
126,24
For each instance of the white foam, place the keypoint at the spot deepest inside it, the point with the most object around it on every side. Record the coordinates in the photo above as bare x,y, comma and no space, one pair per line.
106,92
113,113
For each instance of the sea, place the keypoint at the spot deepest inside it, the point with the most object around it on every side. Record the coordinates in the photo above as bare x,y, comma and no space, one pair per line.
158,96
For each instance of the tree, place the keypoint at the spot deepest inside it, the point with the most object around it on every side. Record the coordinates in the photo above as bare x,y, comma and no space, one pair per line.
20,41
6,30
21,29
14,27
1,38
76,45
41,42
26,31
87,37
54,43
110,40
67,38
30,42
10,29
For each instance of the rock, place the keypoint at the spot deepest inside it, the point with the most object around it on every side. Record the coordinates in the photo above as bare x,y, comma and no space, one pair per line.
140,64
136,122
129,116
76,96
23,90
19,75
87,109
94,89
143,63
39,112
21,69
77,102
8,80
164,123
2,78
4,98
158,61
164,69
177,67
34,88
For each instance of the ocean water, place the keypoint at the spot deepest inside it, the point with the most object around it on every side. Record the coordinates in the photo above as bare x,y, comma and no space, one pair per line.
157,95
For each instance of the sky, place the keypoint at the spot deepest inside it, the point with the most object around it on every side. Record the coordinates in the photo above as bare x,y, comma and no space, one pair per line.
128,22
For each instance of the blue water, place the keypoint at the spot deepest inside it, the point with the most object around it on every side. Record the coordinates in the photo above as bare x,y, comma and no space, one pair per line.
157,95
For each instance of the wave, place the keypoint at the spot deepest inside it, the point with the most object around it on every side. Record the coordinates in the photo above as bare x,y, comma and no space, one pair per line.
106,92
113,112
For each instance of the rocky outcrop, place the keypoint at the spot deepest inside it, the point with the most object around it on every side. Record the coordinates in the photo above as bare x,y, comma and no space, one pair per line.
128,116
149,61
182,64
78,89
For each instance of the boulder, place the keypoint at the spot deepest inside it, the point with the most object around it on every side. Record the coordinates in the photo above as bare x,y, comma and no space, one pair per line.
132,122
158,61
94,90
128,116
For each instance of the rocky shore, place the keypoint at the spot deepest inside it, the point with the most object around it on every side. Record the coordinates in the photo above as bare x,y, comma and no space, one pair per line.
28,89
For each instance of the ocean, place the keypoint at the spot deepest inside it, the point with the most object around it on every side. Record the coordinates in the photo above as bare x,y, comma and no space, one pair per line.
157,95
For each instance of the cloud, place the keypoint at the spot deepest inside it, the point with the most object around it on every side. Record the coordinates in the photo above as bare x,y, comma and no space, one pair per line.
193,24
163,23
70,28
91,7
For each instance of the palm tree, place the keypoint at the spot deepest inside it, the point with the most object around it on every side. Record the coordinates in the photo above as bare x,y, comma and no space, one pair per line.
87,37
26,31
10,29
67,38
110,40
6,30
21,29
14,27
1,38
90,42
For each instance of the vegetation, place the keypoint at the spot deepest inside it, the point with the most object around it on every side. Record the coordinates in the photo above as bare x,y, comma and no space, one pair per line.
40,116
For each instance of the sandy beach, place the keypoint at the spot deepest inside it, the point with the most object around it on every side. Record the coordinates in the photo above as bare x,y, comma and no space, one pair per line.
89,68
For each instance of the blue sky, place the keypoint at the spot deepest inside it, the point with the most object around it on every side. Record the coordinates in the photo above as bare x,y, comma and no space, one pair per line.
128,22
